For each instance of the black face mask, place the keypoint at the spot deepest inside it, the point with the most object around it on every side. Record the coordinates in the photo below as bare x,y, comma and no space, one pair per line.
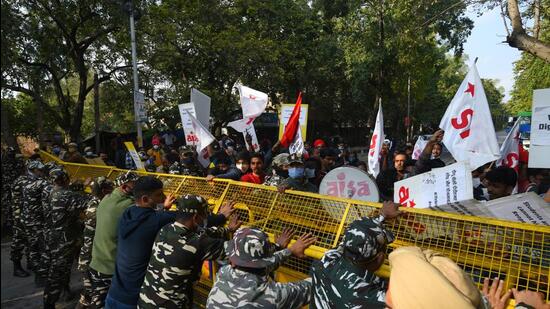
282,173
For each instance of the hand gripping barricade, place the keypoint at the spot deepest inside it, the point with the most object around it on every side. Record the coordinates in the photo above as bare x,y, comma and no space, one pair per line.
518,253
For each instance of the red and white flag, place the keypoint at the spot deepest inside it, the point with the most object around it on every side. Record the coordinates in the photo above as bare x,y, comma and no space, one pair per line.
253,102
203,136
292,137
469,131
376,143
509,151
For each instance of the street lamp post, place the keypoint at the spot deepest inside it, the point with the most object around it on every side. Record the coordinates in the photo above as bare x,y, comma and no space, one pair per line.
129,6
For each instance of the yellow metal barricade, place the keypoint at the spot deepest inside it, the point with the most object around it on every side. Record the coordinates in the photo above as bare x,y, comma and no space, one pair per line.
515,252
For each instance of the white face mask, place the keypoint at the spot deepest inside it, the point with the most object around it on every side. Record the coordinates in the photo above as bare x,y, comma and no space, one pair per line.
476,182
89,153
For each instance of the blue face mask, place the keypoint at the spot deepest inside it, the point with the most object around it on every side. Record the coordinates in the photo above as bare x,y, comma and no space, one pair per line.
310,173
296,172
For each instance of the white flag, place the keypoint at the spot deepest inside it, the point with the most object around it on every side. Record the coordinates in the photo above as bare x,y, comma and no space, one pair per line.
419,147
253,102
509,151
204,138
376,143
241,125
297,145
469,131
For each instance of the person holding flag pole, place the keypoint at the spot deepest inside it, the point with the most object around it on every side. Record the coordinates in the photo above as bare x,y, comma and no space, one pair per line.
376,143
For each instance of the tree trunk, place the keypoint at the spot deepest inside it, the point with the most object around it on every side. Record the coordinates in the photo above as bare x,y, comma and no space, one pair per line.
7,135
79,108
520,39
96,114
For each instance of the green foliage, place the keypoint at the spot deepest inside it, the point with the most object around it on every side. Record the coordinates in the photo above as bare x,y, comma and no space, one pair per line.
531,72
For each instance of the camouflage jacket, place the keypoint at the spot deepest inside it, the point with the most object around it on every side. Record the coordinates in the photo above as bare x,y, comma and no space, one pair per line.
66,206
31,206
236,288
273,180
338,283
46,206
11,170
89,231
178,168
17,194
176,262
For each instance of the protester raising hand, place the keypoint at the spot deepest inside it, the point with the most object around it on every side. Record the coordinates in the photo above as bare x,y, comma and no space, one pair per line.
530,298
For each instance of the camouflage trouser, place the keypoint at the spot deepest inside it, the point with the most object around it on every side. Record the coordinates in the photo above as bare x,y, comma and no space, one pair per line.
35,239
7,219
19,243
86,294
100,287
59,274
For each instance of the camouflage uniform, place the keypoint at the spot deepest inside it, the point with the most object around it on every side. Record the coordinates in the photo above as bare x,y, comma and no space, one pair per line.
178,168
338,281
32,218
247,284
86,251
12,168
178,254
274,179
19,239
66,207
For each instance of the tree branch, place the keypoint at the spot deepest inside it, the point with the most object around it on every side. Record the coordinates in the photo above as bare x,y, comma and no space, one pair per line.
107,76
89,40
520,39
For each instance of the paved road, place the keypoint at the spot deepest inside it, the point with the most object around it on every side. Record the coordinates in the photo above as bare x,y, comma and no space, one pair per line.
21,292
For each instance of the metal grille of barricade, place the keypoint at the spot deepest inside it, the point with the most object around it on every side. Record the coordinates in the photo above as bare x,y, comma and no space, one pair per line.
92,171
518,253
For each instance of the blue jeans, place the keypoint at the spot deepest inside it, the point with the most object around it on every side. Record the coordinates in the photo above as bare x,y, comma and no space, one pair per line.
111,303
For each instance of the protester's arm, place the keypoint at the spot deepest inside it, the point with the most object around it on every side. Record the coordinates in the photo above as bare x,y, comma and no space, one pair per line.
436,138
213,242
388,211
232,173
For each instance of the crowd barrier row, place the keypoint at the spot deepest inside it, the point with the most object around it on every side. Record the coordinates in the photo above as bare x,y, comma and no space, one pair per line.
517,253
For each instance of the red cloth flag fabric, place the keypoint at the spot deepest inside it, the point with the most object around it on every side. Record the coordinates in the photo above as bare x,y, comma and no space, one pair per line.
293,124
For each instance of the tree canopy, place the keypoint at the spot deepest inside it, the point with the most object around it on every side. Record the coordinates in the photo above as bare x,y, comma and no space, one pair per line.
344,56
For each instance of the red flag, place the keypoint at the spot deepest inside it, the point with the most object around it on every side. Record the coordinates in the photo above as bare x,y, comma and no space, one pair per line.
293,124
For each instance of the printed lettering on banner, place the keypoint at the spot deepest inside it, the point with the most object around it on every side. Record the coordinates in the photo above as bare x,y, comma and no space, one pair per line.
440,186
134,155
187,124
347,182
539,150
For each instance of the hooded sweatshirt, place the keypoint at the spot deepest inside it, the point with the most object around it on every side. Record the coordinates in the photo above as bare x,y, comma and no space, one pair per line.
137,230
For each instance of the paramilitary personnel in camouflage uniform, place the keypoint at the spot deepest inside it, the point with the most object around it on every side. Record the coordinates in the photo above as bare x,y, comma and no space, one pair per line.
246,283
344,277
100,187
12,168
20,238
32,217
296,176
42,271
187,165
178,253
66,207
279,172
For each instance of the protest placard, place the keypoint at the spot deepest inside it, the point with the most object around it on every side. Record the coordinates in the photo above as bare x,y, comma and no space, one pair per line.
202,107
440,186
284,116
134,155
187,124
539,150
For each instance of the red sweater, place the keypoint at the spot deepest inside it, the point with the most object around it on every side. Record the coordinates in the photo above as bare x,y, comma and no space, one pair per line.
250,177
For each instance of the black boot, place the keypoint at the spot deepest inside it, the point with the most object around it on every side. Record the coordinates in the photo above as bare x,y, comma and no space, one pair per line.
18,270
49,305
39,281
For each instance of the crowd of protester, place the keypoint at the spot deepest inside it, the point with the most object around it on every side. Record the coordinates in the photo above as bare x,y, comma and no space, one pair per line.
134,252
